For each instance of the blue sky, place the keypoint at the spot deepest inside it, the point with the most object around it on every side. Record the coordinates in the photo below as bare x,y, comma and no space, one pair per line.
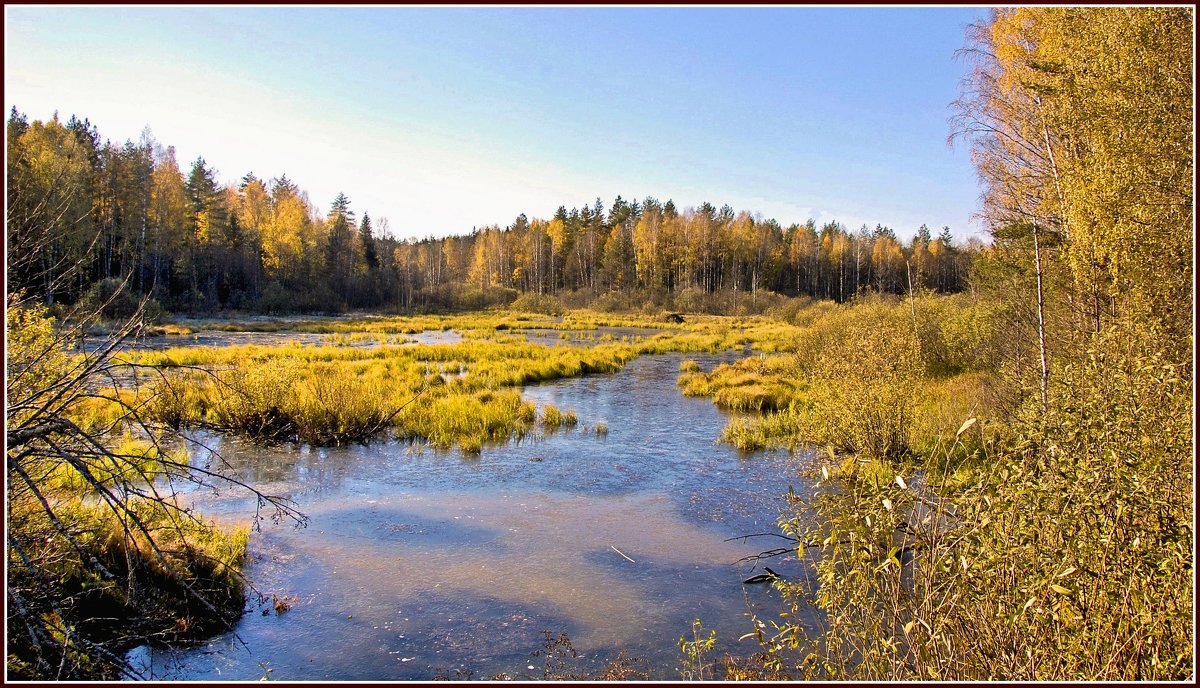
441,119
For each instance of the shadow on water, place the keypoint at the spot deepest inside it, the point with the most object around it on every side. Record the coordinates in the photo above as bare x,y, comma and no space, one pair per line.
419,562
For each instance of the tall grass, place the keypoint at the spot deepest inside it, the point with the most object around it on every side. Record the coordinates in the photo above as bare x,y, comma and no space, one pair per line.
553,417
751,384
330,394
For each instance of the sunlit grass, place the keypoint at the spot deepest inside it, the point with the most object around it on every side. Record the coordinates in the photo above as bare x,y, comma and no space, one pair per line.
169,329
862,378
810,378
752,384
334,394
553,417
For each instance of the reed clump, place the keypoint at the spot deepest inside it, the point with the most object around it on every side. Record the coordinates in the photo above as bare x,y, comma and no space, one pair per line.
469,420
554,417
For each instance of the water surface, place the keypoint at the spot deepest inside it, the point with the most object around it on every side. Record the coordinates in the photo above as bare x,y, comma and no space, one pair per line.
419,562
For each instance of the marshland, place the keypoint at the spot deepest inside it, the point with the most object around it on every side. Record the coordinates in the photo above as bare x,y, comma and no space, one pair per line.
594,482
250,439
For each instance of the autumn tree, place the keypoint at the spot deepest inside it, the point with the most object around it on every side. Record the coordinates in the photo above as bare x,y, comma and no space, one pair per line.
49,227
1060,136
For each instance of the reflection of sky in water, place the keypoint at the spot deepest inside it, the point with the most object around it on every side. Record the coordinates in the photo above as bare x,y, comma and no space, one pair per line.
418,561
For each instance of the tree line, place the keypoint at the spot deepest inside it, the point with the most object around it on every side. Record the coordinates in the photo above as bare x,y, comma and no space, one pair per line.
88,217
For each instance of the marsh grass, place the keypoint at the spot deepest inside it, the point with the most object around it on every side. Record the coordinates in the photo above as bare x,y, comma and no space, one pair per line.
751,384
482,321
553,418
470,420
775,429
169,329
459,393
358,338
806,375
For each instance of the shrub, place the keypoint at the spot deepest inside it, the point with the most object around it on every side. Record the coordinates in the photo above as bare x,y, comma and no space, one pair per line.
1066,555
617,302
112,299
103,553
533,302
276,300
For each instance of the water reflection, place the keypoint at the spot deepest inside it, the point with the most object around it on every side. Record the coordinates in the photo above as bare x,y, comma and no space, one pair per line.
417,562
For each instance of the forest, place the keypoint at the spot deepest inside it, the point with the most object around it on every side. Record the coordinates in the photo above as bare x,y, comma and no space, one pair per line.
992,444
128,217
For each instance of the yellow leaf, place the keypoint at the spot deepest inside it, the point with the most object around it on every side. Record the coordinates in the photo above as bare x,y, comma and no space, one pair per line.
1060,589
965,426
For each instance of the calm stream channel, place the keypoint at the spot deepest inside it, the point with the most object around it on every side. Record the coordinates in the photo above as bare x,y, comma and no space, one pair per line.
417,563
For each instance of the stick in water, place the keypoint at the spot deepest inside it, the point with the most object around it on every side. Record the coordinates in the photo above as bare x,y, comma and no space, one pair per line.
622,554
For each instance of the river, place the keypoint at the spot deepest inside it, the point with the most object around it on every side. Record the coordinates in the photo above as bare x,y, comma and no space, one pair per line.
419,563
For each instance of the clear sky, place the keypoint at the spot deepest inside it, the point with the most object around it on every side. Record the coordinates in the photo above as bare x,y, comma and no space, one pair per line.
441,119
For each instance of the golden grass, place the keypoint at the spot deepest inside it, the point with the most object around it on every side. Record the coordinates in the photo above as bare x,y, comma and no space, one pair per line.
335,394
553,417
810,361
757,383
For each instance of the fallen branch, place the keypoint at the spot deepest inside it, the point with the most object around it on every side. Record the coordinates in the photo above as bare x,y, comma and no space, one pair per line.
763,577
